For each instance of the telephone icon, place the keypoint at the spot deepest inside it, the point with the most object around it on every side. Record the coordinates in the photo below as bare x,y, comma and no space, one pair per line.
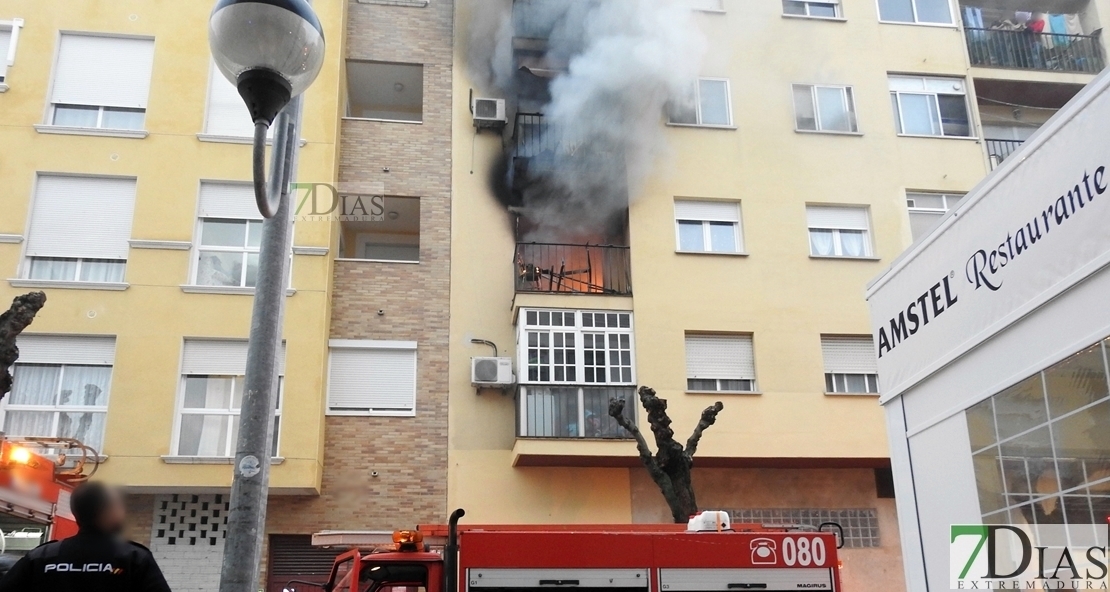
764,552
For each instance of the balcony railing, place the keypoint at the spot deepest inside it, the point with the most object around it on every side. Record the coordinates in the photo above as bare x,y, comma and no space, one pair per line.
572,412
574,269
1027,50
998,150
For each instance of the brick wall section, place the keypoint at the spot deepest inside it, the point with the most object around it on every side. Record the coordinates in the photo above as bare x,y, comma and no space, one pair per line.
140,516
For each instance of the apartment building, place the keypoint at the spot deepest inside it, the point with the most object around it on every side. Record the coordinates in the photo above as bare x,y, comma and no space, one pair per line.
127,165
817,140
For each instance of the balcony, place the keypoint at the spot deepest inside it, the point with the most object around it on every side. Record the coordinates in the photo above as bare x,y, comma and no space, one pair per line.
998,150
570,412
573,269
1027,50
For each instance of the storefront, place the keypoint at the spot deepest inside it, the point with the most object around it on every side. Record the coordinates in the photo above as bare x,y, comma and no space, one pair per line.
992,336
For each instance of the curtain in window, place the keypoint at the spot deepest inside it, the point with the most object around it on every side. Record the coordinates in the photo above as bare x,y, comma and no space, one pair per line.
821,242
34,385
43,268
102,271
852,243
219,269
29,423
206,435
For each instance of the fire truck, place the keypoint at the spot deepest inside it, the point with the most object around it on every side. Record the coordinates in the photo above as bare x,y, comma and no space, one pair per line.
37,476
710,554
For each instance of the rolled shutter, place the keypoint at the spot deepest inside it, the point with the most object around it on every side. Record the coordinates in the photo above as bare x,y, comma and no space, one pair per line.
82,350
219,357
849,355
721,211
372,380
228,200
82,217
103,71
227,113
850,218
720,356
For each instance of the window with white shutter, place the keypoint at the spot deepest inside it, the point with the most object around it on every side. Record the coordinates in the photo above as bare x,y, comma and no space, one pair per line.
9,41
212,377
80,228
372,378
229,236
720,363
227,117
61,387
851,366
101,82
708,226
839,231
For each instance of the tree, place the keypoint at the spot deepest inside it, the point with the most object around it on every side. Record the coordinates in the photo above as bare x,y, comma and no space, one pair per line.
670,466
12,323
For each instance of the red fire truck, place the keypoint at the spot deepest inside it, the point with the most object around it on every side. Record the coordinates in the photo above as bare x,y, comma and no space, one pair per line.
709,555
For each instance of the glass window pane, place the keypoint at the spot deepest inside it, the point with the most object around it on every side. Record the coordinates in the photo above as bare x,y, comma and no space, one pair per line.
933,11
1077,381
793,7
921,223
980,424
252,270
1083,435
684,110
821,243
933,201
834,116
701,384
208,392
822,10
35,385
85,386
88,428
690,236
736,385
119,118
919,114
49,268
1035,448
223,233
203,435
1020,407
29,423
804,115
254,234
219,269
722,237
713,101
102,270
988,478
75,115
897,113
953,115
898,11
853,243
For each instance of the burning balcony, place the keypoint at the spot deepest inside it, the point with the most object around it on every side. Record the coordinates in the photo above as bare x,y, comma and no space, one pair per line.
573,269
572,412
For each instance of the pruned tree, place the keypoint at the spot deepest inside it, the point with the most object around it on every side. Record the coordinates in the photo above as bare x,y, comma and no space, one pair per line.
12,323
670,465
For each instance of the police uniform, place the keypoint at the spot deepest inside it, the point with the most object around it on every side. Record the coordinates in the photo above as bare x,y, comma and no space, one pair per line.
87,562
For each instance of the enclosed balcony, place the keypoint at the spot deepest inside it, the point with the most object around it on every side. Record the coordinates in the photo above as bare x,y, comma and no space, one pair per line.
1063,38
572,412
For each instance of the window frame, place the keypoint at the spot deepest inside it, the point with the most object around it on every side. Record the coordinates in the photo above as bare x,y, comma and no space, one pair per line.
347,85
900,120
372,345
939,213
852,367
952,24
706,224
806,4
753,381
697,106
100,111
868,377
7,59
48,124
838,245
55,409
245,251
579,349
848,102
180,411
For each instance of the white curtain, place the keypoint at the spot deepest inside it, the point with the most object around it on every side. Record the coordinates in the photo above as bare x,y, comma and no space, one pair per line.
852,243
43,268
102,271
29,423
35,385
206,435
821,242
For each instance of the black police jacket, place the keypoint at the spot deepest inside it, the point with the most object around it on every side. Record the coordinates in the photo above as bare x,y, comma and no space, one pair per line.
87,562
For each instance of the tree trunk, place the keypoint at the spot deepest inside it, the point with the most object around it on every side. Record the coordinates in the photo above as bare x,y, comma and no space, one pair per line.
12,323
670,465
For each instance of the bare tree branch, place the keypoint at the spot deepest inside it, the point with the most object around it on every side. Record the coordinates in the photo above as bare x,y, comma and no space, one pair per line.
616,411
12,323
708,418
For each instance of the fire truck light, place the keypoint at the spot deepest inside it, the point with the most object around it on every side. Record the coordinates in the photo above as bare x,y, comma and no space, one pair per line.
408,540
20,455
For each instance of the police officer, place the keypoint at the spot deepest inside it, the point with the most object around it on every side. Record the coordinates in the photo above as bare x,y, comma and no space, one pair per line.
96,559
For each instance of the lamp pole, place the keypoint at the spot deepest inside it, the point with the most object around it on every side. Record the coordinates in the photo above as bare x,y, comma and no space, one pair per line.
272,50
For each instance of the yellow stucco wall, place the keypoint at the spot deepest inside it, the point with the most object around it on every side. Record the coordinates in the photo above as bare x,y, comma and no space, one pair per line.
151,318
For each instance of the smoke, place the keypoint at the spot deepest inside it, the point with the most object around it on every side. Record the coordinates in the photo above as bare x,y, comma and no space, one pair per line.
606,74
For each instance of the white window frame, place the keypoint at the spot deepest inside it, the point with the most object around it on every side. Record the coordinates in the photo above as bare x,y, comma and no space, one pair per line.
746,339
839,383
57,409
839,16
836,378
244,251
912,208
13,26
180,411
51,106
707,243
370,345
77,269
847,101
580,330
916,19
900,120
697,105
838,245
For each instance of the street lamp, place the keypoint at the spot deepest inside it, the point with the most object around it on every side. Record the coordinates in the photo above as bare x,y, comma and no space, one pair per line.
271,50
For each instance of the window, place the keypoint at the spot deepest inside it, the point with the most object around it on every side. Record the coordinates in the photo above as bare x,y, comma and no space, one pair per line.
930,106
838,231
708,105
390,231
9,41
828,9
229,233
61,388
708,226
372,378
934,12
212,375
720,363
575,347
101,82
227,115
851,366
926,210
824,108
386,91
573,411
80,228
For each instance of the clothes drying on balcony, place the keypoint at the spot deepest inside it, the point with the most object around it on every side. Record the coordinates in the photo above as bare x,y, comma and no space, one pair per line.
1036,41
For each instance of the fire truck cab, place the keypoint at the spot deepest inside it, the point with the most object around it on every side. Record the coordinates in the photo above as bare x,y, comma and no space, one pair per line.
711,555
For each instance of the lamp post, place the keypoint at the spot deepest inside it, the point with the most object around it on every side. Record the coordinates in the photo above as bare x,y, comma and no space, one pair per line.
271,50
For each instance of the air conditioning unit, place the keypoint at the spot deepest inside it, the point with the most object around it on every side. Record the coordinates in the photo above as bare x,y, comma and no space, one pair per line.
489,113
491,372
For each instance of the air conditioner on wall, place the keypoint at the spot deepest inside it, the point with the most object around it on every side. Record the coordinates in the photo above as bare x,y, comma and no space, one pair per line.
488,113
491,372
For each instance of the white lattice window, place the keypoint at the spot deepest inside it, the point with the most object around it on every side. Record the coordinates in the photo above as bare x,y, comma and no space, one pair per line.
720,363
576,347
851,366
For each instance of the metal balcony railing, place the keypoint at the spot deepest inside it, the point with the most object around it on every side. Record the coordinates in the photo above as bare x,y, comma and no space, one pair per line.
1027,50
998,150
574,269
572,411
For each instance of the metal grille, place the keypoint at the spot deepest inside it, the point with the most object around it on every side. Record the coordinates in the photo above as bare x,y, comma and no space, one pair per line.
861,525
998,150
1034,51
